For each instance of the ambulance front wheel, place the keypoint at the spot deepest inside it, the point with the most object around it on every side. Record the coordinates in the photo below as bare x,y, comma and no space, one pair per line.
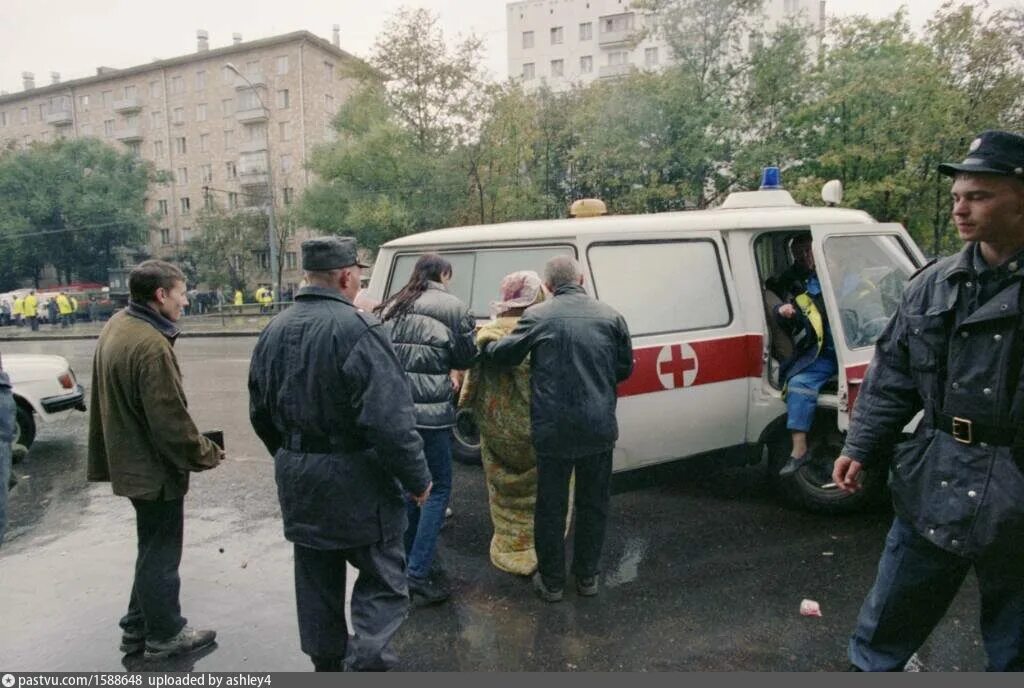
466,439
811,487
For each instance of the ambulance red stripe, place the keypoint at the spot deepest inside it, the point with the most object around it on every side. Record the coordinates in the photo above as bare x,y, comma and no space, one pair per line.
718,360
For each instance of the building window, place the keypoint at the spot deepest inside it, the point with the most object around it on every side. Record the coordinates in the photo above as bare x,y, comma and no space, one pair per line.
263,258
232,199
329,71
206,173
200,80
557,67
282,64
286,163
129,92
182,176
83,105
204,142
227,106
232,169
247,101
229,138
24,115
108,97
207,201
155,119
201,112
135,148
177,85
186,207
290,260
282,98
158,149
289,195
618,57
165,236
108,127
252,68
586,31
156,89
586,64
557,35
329,103
285,130
162,207
527,39
180,145
651,57
528,71
84,130
179,115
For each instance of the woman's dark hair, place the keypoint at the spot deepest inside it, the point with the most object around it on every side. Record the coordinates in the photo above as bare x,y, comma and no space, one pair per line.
429,268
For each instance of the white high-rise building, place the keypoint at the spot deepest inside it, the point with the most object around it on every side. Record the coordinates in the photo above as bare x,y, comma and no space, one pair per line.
564,42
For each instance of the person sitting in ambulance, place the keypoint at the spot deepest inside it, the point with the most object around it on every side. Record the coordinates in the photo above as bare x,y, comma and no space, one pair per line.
802,315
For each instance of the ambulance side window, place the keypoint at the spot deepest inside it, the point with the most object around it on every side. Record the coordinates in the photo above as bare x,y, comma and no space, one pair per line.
662,286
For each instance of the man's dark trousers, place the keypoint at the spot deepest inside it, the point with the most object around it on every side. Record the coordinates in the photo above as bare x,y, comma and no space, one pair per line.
380,602
916,583
593,478
154,608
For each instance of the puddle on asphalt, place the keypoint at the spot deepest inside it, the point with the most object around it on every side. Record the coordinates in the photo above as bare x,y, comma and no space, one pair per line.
628,567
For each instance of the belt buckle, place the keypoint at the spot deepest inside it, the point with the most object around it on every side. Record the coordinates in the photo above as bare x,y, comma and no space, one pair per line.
963,430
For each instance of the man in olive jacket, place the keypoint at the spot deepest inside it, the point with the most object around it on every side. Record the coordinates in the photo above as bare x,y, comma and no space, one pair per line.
331,403
143,441
579,350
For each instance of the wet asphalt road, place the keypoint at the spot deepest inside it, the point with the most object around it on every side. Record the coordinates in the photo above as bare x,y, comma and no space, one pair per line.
705,573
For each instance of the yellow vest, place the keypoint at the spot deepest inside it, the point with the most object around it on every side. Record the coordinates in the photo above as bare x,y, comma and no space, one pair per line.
806,304
30,308
238,298
63,305
19,306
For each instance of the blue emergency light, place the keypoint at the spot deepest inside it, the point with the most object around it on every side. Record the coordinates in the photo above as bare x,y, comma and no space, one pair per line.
771,178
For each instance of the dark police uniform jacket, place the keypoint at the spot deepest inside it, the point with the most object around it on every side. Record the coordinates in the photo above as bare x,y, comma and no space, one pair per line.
579,350
954,349
332,404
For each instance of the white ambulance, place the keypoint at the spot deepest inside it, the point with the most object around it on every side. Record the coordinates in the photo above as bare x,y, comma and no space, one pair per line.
691,286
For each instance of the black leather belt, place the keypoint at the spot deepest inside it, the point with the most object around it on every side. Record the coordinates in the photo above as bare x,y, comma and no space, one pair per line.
321,444
969,431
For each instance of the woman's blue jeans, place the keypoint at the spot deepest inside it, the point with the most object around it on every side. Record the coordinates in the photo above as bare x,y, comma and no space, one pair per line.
425,522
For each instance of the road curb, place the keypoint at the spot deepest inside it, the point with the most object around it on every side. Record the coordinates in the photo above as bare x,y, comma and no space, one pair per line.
75,337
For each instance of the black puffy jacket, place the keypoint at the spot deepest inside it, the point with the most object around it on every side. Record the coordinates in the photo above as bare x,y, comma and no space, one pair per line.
433,338
579,351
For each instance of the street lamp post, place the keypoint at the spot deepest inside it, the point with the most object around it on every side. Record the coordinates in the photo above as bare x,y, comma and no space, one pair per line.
271,224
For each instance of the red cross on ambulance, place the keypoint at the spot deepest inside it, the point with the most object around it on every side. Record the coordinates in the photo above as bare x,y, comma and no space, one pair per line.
677,365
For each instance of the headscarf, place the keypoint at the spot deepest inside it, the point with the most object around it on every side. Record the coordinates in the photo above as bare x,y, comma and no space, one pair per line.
518,290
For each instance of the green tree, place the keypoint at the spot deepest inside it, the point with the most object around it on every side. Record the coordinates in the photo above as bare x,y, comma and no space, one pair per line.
222,253
69,204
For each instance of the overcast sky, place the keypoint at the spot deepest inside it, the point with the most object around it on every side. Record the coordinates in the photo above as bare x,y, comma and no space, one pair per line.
74,37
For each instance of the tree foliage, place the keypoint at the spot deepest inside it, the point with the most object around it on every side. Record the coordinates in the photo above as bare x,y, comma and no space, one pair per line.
222,252
69,204
867,101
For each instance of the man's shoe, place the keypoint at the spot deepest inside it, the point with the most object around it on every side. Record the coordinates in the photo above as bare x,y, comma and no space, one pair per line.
794,464
187,640
427,591
544,592
586,586
132,642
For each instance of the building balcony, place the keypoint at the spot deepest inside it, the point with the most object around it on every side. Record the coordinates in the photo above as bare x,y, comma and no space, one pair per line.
253,177
256,80
60,118
256,146
129,134
256,114
127,105
611,39
614,71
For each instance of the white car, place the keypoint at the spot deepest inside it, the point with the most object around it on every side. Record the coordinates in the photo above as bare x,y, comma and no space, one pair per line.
43,385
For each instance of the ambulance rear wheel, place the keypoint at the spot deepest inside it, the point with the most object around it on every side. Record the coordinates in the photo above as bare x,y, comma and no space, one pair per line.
466,439
807,487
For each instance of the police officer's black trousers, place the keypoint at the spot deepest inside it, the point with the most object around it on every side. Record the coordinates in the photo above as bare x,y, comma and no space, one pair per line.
380,602
917,582
593,479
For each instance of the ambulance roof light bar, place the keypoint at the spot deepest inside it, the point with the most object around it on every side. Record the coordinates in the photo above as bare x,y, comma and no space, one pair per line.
771,179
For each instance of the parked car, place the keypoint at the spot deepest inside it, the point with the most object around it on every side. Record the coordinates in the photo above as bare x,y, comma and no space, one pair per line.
691,286
44,386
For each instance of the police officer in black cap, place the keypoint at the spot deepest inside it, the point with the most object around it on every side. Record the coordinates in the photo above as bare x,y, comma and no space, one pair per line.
333,406
953,349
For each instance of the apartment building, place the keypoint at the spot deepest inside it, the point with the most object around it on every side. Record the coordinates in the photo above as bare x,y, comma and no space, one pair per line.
559,43
194,117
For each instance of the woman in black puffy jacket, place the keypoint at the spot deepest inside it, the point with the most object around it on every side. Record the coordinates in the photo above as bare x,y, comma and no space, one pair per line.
432,332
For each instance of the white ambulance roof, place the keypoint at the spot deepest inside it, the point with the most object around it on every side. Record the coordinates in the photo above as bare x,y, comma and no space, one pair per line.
744,210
